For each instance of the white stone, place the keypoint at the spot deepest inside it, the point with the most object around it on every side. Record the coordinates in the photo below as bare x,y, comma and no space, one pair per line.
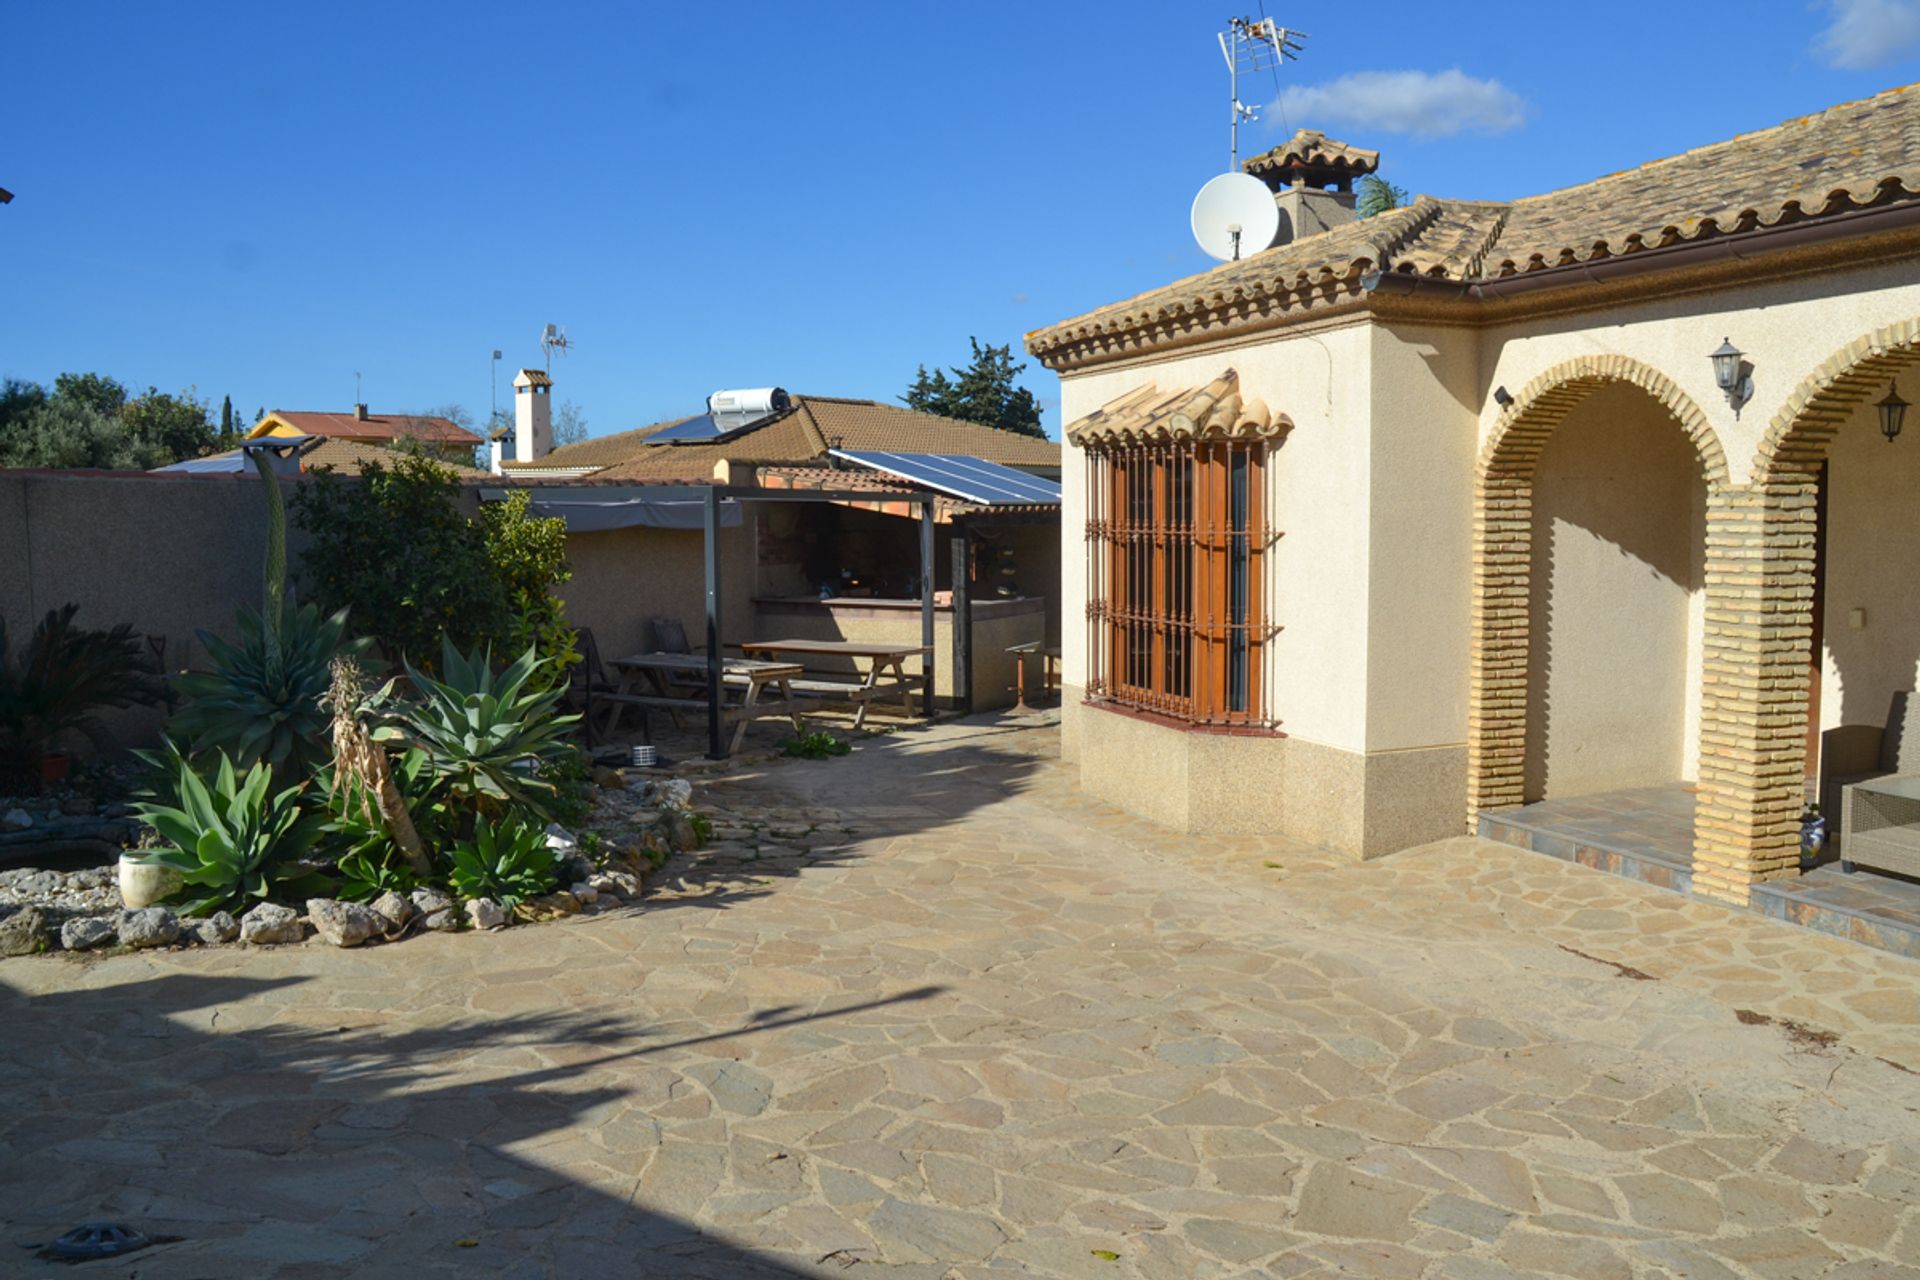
560,840
485,913
394,909
269,922
585,892
87,932
149,927
344,924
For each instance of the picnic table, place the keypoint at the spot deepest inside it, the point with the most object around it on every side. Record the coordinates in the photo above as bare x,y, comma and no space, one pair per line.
871,662
647,680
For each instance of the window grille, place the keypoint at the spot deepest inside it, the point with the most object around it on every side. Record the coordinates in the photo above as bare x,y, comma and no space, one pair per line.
1180,581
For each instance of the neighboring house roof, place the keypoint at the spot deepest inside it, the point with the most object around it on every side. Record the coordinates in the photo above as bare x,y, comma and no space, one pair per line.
347,457
350,457
374,427
802,434
1855,156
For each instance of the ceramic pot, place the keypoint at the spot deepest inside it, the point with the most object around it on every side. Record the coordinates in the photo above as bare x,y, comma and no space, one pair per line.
142,885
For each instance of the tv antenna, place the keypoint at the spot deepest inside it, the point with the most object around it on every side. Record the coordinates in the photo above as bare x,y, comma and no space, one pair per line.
1250,46
554,338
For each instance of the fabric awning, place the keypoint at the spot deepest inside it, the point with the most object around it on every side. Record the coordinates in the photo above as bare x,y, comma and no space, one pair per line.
597,510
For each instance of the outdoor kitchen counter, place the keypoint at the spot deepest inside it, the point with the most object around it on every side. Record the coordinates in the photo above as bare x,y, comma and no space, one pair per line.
997,624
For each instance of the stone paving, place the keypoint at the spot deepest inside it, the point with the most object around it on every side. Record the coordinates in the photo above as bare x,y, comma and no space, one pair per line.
994,1029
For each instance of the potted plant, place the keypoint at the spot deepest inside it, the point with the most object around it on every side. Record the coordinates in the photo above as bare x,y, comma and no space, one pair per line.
63,676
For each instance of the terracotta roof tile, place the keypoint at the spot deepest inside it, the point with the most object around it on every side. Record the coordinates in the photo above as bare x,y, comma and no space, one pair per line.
350,457
801,435
1311,151
1858,154
378,426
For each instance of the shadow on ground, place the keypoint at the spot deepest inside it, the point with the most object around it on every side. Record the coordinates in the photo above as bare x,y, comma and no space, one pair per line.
321,1150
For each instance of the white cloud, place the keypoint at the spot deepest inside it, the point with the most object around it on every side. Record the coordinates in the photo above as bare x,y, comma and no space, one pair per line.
1867,33
1426,104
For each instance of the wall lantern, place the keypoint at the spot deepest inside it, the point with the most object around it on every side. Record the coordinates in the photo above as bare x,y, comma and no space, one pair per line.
1732,374
1893,414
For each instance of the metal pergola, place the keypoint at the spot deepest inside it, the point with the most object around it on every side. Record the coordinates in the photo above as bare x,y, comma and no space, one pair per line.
710,532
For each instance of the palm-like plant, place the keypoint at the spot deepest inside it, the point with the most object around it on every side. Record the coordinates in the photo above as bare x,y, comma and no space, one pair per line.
484,735
232,841
261,702
508,861
1377,195
66,674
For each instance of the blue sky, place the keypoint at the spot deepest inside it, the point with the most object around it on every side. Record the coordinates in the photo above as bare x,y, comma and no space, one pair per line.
261,200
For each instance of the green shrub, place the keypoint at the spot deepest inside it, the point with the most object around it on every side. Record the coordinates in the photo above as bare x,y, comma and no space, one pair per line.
814,746
508,861
396,547
485,737
367,873
570,772
529,555
233,840
65,675
262,699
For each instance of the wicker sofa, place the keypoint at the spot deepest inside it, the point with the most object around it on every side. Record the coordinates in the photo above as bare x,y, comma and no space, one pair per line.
1853,754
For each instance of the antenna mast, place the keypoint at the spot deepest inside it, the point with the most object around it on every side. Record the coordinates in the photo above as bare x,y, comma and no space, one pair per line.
554,338
1253,45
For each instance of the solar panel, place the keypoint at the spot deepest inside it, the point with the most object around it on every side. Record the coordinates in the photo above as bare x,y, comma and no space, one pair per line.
974,479
696,430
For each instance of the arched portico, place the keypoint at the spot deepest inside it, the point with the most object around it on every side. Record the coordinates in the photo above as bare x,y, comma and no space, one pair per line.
1503,608
1758,658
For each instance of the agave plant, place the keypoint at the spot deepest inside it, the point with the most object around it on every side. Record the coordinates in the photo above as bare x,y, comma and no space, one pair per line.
64,676
484,735
261,702
233,840
508,861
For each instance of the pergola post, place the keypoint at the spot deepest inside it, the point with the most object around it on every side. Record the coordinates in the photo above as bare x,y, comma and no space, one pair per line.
716,750
926,599
962,615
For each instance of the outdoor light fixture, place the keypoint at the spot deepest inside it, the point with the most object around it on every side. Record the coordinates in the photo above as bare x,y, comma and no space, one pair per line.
1502,397
1732,375
1893,413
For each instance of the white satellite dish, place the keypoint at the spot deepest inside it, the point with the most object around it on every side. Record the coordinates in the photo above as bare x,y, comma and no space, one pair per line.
1235,216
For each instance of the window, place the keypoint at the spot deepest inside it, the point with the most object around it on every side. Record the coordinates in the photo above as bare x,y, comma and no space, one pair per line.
1178,580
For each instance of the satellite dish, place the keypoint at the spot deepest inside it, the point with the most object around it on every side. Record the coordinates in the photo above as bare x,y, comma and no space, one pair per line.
1235,216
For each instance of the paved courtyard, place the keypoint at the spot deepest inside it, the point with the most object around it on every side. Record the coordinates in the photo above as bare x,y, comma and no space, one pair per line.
925,1012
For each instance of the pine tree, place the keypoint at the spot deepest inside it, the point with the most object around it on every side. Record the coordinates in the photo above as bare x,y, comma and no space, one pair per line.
982,392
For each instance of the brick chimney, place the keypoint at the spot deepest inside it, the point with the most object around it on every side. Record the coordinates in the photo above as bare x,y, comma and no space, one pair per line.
360,413
532,415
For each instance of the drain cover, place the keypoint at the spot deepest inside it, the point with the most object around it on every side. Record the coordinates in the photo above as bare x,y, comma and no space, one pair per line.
97,1240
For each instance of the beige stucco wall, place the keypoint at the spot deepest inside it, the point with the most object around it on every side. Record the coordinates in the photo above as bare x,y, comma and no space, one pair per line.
1873,564
1420,557
1318,491
1618,547
1787,328
622,577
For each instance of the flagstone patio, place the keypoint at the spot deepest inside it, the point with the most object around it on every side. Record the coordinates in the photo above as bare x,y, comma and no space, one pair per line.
993,1029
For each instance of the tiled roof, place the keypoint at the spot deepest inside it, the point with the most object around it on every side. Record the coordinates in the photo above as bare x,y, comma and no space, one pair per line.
1859,154
350,457
378,426
1148,414
1308,149
803,434
532,378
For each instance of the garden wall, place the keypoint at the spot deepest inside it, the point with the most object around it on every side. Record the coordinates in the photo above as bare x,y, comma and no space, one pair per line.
167,554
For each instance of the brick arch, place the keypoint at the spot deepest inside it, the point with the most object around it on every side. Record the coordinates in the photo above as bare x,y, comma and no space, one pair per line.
1758,655
1503,551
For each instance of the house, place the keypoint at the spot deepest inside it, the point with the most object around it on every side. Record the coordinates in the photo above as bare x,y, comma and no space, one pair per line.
440,437
1409,523
312,453
845,569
